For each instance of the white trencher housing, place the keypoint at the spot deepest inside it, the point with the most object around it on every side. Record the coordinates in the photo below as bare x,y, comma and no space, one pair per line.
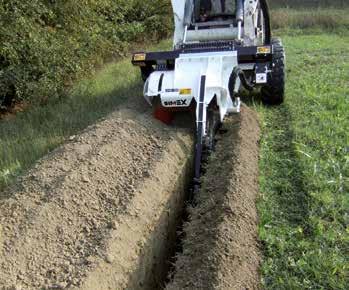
218,47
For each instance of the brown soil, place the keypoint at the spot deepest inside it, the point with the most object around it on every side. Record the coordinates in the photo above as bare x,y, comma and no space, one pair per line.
101,212
87,216
221,249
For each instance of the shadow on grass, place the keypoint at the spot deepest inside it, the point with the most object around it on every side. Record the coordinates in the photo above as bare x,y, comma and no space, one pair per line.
282,181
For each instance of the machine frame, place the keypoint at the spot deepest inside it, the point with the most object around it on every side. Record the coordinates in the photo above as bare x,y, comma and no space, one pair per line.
210,63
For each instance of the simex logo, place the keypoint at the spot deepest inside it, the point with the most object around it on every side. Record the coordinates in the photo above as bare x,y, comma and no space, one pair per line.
176,103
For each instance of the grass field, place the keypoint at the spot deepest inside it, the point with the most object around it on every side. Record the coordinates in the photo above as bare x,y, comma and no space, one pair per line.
307,3
37,131
304,208
34,133
316,19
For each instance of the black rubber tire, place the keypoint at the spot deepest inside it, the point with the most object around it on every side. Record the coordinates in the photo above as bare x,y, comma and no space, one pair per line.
266,14
274,92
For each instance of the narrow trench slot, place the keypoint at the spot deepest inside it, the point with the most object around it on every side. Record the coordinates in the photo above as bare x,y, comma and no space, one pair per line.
175,245
189,201
180,236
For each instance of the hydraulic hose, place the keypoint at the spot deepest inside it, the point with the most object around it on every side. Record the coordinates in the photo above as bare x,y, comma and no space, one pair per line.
238,73
239,16
240,10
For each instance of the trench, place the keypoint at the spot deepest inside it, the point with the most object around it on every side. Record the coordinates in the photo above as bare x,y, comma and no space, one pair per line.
163,269
227,143
174,244
170,228
184,217
136,245
144,239
148,237
177,247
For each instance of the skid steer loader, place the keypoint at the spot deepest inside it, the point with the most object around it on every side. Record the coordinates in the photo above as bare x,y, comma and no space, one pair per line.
219,47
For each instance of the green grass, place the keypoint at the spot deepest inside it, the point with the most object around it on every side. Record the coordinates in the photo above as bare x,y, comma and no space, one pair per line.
304,167
39,130
308,3
331,20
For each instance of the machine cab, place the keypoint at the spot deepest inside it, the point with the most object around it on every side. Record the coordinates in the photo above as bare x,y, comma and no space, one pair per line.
198,21
210,11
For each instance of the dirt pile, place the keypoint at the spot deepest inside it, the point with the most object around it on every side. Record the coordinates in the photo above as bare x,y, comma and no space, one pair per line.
101,212
220,250
94,207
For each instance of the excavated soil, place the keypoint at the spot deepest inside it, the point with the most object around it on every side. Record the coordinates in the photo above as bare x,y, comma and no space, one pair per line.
220,249
97,213
101,211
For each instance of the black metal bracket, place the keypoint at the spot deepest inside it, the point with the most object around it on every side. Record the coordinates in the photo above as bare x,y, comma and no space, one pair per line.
246,54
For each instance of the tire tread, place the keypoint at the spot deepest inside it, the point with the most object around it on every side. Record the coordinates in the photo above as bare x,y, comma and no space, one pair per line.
274,92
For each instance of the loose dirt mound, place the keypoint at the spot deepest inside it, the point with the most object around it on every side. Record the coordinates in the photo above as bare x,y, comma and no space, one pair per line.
101,211
59,224
220,250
